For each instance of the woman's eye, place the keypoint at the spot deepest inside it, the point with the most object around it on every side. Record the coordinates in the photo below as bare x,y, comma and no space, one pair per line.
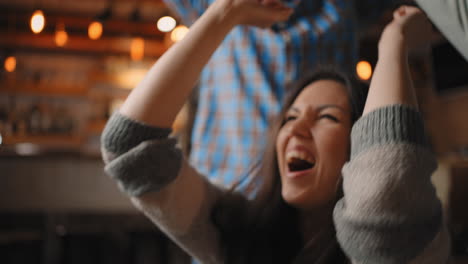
329,117
289,118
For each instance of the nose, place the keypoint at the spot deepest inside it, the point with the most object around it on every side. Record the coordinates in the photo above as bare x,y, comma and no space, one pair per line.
301,127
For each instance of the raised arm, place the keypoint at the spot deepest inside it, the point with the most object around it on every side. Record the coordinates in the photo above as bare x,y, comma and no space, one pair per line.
391,83
145,162
390,212
159,97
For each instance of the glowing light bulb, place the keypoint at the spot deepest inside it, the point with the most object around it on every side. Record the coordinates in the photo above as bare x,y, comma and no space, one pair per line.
95,30
166,24
61,36
37,22
137,49
179,33
364,70
10,64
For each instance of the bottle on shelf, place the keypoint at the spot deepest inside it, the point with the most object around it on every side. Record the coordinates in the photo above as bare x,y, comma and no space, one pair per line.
46,118
34,117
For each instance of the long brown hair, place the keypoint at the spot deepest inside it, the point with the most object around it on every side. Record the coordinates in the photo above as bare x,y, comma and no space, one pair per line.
265,229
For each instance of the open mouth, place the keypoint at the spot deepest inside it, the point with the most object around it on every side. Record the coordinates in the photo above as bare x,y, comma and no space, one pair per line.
299,163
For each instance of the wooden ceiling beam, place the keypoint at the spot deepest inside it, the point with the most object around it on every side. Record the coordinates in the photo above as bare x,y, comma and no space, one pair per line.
103,46
19,22
148,29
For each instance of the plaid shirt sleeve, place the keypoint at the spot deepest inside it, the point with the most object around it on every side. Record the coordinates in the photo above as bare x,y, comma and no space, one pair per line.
188,10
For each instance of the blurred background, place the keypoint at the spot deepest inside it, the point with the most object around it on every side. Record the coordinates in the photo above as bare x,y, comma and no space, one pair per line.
67,65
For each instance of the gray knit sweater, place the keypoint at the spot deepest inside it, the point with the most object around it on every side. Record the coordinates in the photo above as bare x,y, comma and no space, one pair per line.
389,213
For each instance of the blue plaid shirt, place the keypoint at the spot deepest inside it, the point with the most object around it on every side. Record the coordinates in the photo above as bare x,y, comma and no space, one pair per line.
244,83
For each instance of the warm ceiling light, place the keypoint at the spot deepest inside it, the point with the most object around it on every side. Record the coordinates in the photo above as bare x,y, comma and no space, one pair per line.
10,64
95,30
364,70
129,78
61,36
137,49
179,33
166,24
37,21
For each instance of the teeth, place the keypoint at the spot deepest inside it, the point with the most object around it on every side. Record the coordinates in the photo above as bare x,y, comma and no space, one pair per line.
299,155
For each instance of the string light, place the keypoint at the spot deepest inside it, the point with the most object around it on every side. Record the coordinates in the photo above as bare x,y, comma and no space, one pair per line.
166,24
364,70
179,33
37,22
95,30
61,36
137,49
10,64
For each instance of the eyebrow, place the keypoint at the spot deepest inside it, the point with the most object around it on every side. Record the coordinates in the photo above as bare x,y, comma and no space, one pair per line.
321,108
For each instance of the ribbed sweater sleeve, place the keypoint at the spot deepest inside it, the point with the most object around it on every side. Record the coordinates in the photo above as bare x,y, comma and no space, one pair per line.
390,212
148,165
139,157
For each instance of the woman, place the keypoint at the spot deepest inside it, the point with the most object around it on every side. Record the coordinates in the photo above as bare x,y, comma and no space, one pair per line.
389,212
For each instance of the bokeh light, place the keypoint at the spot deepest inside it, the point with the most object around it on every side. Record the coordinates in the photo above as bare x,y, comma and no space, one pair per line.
37,22
95,30
179,33
166,24
137,49
61,35
10,64
364,70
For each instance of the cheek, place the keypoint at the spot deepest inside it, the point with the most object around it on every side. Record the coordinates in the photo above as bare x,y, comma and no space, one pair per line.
280,146
334,146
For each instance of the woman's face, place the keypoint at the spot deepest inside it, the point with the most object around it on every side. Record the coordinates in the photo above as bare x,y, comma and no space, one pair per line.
313,144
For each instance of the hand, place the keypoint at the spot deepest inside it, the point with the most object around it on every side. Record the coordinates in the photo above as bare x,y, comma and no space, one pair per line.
411,27
260,13
417,30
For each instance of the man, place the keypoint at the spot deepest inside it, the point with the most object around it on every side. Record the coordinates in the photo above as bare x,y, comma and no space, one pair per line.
244,83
